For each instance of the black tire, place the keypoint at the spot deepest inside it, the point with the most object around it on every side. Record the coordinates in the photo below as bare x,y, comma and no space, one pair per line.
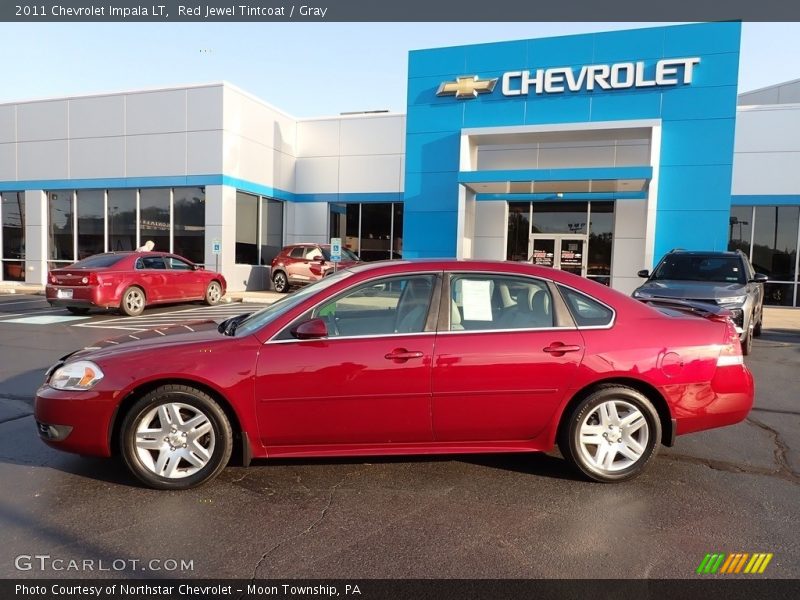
757,329
576,454
280,282
747,342
213,293
78,310
133,301
220,436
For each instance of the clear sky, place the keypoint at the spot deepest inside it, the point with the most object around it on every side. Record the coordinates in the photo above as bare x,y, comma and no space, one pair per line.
308,69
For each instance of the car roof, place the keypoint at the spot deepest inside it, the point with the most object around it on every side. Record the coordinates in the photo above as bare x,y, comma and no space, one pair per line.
706,252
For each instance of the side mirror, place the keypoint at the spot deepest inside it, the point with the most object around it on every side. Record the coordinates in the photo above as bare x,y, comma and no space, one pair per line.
759,278
643,273
319,259
313,329
198,267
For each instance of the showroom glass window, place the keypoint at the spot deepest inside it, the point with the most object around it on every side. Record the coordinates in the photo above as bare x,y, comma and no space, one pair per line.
246,229
91,222
61,224
189,223
775,251
271,234
559,217
601,230
154,218
12,212
122,220
519,230
372,231
769,235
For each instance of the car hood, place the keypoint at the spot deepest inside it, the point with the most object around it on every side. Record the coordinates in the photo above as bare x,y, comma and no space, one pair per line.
699,290
162,339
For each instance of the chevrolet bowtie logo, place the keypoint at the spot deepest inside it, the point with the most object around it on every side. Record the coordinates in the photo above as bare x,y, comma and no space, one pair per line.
466,87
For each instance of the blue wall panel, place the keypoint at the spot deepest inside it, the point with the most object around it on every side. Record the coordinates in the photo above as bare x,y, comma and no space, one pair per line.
697,123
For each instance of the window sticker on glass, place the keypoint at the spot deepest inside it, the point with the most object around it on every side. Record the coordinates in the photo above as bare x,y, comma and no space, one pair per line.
477,300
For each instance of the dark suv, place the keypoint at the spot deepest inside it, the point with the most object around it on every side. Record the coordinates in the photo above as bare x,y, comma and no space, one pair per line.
299,264
722,278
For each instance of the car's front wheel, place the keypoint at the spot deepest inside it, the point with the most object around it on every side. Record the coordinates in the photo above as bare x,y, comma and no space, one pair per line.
280,282
175,438
213,293
611,434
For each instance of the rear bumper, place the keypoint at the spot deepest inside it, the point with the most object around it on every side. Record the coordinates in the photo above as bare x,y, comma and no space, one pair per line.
82,297
727,400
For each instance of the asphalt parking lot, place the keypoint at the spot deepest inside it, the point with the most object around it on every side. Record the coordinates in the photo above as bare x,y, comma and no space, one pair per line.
730,490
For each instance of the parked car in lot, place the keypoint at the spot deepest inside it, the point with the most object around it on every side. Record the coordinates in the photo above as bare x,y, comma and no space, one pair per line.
721,278
405,357
301,264
131,281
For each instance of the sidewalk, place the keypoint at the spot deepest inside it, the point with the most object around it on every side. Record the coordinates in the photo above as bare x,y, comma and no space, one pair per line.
775,317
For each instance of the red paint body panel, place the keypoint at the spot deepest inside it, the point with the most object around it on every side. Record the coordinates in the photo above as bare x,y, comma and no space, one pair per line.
107,284
467,392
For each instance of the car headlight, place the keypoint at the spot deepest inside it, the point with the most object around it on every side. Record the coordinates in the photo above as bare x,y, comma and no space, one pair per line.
732,300
80,375
639,294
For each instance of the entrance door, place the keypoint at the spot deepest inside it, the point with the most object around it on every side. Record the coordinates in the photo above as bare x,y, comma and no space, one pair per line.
566,252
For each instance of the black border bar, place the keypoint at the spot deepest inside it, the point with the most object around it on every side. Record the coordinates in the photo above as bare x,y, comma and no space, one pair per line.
396,10
714,587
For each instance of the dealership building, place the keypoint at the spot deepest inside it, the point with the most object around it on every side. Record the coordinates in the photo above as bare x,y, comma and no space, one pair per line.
591,153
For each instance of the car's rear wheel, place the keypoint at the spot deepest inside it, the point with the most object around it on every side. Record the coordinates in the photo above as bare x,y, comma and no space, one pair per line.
611,434
213,293
176,437
280,282
133,301
78,310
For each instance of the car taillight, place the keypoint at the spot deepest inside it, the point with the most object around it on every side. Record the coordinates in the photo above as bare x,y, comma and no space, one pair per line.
93,279
731,353
51,278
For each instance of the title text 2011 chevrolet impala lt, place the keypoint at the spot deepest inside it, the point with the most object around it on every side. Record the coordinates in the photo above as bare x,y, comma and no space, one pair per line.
407,357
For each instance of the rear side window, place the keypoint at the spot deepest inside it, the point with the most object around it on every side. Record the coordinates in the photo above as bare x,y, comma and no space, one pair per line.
586,311
99,260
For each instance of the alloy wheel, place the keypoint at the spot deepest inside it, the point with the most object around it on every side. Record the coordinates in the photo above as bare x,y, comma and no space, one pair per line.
613,436
174,440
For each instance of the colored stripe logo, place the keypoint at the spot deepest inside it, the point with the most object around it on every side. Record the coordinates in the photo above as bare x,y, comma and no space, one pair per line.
735,563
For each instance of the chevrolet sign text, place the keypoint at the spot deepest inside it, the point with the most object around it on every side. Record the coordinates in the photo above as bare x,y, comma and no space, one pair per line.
669,71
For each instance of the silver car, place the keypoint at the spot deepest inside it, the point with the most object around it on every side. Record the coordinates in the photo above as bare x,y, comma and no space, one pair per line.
725,279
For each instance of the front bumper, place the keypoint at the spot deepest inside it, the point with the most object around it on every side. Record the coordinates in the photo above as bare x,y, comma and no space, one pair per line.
77,422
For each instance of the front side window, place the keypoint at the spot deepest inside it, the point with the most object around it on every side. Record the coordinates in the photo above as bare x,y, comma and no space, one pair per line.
386,306
313,253
481,302
176,264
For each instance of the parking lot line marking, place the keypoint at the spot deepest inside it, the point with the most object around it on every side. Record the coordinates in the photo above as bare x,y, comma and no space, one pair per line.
44,320
23,302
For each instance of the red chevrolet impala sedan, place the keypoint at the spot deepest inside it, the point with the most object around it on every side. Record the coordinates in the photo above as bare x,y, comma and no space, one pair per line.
129,281
408,357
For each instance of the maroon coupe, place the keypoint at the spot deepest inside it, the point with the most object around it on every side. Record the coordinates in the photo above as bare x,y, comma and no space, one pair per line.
130,281
407,357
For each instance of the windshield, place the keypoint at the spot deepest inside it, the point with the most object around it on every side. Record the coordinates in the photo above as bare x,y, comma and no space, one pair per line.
346,254
693,267
266,315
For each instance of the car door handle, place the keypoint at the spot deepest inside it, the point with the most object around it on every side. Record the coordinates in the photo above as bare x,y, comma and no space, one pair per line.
559,349
402,355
